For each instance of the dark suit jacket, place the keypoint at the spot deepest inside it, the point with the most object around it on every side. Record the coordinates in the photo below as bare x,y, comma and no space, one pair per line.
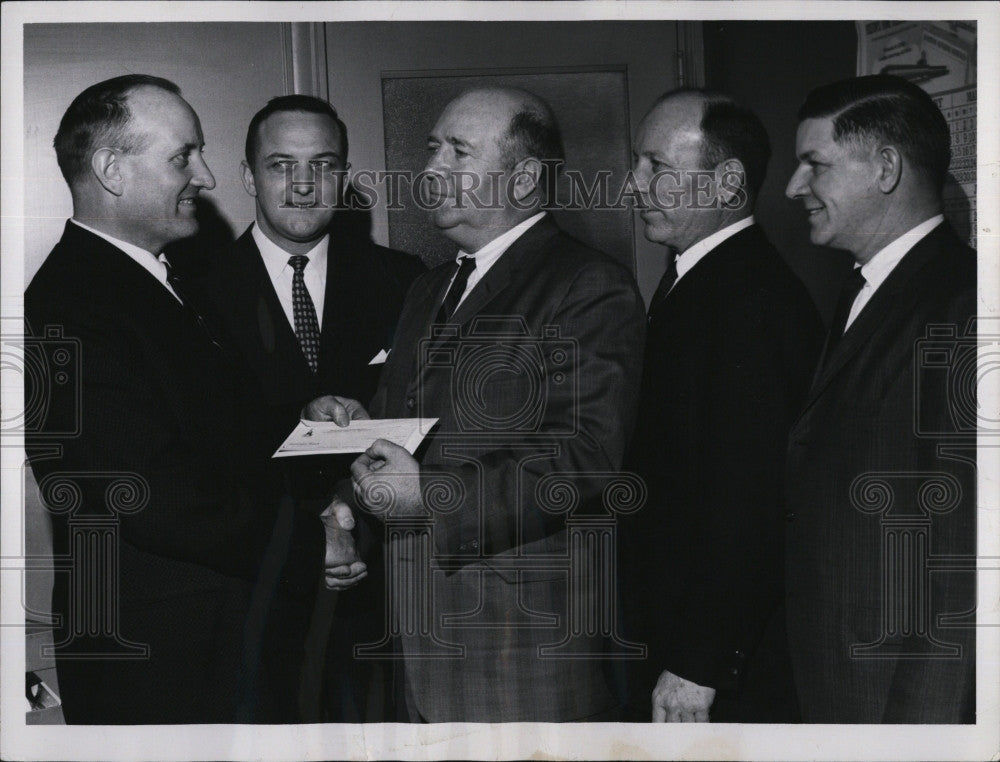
365,287
728,359
159,403
866,439
541,378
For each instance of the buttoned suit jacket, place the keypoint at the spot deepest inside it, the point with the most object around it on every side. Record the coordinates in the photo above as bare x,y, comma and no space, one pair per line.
537,376
365,287
153,401
729,354
874,460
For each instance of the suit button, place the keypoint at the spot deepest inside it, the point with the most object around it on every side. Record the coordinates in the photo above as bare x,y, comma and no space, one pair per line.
735,671
739,654
463,547
410,403
790,516
474,544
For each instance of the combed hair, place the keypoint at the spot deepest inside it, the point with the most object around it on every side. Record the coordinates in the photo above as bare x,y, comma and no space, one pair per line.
534,131
887,110
100,117
306,103
730,131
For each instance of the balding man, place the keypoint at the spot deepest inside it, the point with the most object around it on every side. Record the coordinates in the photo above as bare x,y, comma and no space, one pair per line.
179,629
731,344
536,373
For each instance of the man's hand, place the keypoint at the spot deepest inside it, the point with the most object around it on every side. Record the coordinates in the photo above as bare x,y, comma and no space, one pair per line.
343,567
678,700
340,410
393,467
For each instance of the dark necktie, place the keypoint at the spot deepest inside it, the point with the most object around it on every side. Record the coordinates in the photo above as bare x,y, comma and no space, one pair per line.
454,295
666,283
306,324
848,293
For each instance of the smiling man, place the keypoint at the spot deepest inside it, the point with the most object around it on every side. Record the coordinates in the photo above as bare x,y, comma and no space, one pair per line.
869,636
311,304
731,342
160,449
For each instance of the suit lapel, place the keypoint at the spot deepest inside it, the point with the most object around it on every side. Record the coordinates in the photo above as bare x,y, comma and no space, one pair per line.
518,256
895,295
510,262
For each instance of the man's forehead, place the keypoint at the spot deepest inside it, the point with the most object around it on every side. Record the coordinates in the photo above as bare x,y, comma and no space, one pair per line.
300,128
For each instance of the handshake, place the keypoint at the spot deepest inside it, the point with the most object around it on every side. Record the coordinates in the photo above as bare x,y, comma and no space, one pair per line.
343,566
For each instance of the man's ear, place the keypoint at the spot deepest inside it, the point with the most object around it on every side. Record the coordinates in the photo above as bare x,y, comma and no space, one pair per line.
731,180
890,168
106,168
247,174
527,177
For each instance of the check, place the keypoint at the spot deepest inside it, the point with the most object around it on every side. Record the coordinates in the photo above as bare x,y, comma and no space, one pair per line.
323,438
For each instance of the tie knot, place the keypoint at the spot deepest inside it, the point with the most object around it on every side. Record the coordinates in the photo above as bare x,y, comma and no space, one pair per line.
298,262
466,265
855,281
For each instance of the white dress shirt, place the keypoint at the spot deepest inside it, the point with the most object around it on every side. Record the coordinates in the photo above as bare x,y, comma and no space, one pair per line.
155,265
488,255
281,273
690,257
879,267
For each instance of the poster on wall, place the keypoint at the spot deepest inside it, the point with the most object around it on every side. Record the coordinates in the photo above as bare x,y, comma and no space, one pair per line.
940,56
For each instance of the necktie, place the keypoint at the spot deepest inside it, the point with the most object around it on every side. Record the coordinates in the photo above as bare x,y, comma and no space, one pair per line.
184,294
666,283
454,295
848,293
306,324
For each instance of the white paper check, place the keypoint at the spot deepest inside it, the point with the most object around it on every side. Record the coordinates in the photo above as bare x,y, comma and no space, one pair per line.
322,438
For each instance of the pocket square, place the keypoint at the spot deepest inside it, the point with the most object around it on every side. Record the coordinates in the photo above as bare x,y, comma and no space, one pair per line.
380,358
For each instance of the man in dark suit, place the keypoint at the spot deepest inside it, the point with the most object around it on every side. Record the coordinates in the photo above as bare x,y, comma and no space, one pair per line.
880,483
312,308
731,342
527,351
179,629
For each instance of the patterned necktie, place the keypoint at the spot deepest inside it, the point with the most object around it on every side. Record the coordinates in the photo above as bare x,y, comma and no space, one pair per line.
454,295
666,283
306,324
848,293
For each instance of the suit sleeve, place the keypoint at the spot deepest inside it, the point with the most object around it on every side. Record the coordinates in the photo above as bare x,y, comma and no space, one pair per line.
752,381
206,505
600,315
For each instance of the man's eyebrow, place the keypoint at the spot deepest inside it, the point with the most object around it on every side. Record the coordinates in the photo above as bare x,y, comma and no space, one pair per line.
189,147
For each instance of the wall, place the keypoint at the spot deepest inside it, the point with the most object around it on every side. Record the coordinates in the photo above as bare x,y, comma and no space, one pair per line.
770,66
357,54
225,71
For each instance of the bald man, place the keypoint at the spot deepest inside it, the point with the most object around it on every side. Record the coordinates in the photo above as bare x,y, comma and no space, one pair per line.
731,342
537,373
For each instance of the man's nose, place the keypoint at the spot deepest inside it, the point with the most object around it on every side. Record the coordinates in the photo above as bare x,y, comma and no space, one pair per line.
203,176
796,185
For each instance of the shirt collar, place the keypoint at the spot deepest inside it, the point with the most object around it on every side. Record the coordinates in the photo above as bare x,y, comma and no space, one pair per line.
136,252
276,258
491,252
691,256
878,268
